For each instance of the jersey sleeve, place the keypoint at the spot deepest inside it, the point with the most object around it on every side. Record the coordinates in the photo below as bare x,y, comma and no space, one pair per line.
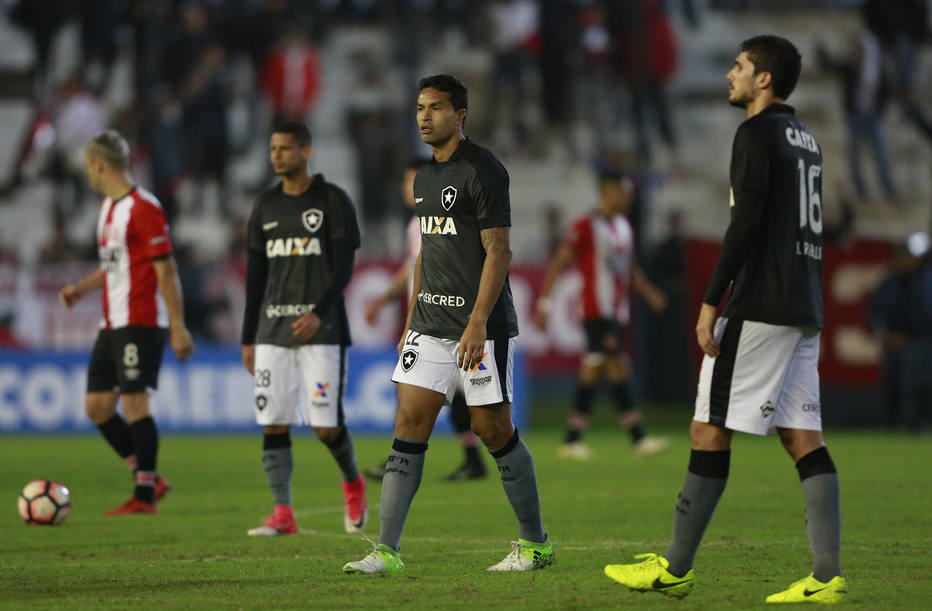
257,266
490,193
342,225
151,228
750,176
255,240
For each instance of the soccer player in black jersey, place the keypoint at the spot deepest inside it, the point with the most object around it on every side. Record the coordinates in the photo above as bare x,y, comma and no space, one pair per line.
760,370
401,284
461,329
302,236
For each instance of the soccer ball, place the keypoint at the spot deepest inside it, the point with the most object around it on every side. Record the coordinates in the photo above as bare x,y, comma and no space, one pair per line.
44,502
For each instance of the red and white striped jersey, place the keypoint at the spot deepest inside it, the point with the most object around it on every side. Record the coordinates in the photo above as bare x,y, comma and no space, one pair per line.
130,233
604,248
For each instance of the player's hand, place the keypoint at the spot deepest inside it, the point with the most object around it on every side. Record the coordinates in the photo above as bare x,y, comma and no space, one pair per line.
69,295
182,343
541,314
705,329
249,358
305,327
472,345
657,300
372,311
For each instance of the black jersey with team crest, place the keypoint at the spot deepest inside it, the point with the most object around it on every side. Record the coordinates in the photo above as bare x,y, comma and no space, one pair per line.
296,235
456,200
773,247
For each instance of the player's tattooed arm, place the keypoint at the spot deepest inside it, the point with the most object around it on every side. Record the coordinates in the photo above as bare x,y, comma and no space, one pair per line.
497,244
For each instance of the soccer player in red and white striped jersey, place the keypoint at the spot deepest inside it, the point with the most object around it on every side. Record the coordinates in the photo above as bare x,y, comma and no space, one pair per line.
602,245
141,295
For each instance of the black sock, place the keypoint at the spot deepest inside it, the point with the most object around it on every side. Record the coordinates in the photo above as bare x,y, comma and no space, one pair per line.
637,433
118,435
146,439
579,417
472,456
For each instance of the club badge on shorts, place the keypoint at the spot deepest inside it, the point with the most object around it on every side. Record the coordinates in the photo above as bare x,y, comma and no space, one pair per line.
312,219
408,359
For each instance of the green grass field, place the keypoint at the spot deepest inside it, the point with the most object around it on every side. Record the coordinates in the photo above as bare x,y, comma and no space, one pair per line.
196,554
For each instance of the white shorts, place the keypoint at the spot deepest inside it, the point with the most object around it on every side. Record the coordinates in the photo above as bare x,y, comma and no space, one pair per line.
430,362
300,384
766,376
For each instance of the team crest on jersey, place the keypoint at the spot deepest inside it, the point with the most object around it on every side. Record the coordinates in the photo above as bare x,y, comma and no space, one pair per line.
448,197
312,219
408,359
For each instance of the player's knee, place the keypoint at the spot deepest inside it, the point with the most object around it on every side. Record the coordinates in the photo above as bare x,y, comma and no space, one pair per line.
709,437
589,373
99,407
493,432
412,424
329,435
276,429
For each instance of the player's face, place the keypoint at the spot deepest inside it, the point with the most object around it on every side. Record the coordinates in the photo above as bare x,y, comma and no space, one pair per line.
743,83
616,196
437,121
287,158
407,187
93,168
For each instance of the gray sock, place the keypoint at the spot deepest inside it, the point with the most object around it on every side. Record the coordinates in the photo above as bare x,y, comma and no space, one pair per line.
516,466
279,463
345,455
823,512
703,487
402,477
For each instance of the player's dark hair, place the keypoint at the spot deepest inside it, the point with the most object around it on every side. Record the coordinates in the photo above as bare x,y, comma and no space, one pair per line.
609,176
777,56
416,163
297,129
449,84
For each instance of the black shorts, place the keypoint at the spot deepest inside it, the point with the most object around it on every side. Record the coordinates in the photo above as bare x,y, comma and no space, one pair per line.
128,359
604,336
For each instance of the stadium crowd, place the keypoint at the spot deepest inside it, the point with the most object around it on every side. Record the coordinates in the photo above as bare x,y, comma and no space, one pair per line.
196,85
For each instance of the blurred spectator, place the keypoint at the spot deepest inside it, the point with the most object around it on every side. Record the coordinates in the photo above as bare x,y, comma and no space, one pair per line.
901,26
42,20
290,76
184,44
901,314
865,92
515,39
560,40
204,101
77,116
375,123
98,41
667,364
201,307
162,130
646,58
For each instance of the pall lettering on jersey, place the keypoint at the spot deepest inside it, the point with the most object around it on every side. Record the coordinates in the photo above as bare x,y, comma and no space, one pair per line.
292,247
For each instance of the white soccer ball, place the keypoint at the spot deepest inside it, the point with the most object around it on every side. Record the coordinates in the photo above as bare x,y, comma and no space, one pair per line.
44,502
